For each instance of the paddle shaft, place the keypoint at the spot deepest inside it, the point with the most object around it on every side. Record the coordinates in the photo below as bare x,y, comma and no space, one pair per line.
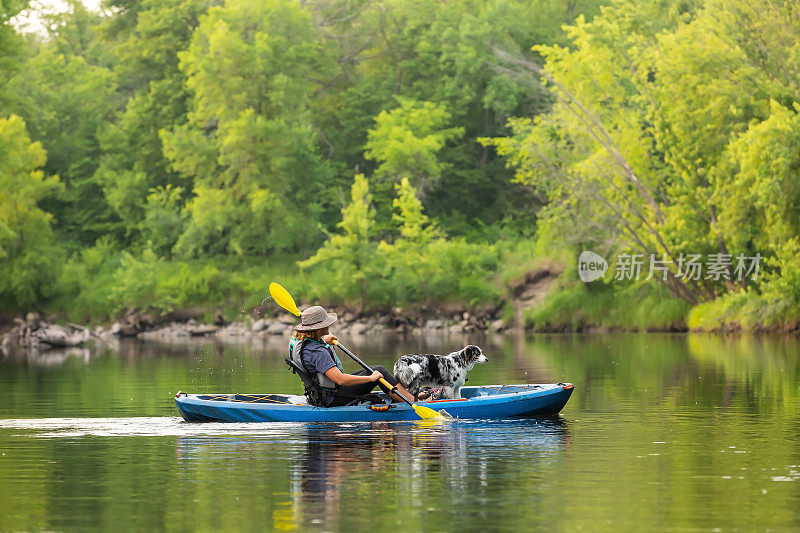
383,382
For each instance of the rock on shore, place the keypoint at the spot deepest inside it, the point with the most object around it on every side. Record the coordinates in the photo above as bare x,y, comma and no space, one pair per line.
349,323
33,331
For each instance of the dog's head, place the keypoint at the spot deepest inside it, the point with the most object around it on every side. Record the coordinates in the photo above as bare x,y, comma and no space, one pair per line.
473,354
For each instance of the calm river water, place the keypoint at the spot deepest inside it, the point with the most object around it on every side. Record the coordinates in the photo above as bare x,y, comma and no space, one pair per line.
663,432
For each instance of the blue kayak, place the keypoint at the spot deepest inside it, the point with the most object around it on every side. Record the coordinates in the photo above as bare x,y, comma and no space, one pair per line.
481,402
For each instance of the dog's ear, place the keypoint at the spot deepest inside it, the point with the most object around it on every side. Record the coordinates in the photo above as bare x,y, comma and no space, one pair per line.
472,352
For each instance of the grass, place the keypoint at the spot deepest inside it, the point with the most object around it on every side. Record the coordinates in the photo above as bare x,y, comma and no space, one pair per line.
93,290
743,310
102,283
575,306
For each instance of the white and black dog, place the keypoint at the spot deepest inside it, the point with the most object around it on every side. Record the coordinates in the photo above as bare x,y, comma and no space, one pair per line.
415,371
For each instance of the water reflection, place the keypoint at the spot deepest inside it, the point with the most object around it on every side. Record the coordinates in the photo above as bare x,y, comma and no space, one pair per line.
46,356
418,464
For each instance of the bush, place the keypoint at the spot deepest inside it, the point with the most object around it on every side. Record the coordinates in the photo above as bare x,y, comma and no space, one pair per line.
643,306
138,284
85,281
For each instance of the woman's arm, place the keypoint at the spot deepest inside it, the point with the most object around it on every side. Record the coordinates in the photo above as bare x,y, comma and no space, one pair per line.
336,375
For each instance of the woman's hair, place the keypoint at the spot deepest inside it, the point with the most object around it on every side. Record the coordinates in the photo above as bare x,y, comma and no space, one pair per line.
315,334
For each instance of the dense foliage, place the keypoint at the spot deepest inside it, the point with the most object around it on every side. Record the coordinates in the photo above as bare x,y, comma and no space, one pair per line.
172,153
674,132
198,146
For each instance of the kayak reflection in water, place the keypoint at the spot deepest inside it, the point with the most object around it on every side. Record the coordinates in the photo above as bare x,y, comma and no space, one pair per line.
311,348
337,465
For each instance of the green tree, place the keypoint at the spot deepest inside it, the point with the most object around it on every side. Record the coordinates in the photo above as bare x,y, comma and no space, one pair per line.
443,53
673,132
349,254
195,128
11,45
250,68
594,155
29,262
147,73
406,141
414,226
162,224
409,259
65,100
757,192
211,213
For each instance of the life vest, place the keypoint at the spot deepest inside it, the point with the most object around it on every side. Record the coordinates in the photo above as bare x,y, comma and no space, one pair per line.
296,355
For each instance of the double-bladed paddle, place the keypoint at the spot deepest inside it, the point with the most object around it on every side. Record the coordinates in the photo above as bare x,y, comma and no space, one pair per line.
285,300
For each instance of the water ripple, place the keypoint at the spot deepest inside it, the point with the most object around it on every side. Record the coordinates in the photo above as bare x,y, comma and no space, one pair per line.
495,433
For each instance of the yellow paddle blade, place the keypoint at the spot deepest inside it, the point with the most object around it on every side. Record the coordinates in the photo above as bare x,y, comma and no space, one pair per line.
283,298
426,413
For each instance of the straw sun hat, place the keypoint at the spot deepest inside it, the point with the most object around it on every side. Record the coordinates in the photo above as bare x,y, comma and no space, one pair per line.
315,317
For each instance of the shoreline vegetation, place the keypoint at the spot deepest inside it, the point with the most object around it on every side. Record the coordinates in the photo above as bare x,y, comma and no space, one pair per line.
543,300
162,161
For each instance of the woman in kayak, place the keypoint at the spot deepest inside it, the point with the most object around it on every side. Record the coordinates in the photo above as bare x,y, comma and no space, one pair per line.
318,357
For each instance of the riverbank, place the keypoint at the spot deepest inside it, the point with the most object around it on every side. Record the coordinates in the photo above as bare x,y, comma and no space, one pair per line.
176,309
541,298
573,306
560,309
39,333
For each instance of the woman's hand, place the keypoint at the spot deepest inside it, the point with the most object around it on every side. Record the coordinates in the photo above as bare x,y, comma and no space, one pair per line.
329,338
375,376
